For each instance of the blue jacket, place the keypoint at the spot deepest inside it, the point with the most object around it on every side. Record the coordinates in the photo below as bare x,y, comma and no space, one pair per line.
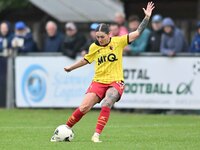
195,45
8,38
140,44
175,42
53,44
29,43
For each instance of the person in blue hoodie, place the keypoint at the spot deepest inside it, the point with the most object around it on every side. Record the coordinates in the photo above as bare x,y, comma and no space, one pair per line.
172,40
23,40
6,36
195,45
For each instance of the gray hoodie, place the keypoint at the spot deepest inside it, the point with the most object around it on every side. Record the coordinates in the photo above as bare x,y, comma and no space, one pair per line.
175,42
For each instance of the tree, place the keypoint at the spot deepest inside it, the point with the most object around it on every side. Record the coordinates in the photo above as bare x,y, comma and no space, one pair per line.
13,4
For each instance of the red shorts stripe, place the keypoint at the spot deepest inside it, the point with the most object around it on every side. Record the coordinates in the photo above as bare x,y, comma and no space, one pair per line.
100,89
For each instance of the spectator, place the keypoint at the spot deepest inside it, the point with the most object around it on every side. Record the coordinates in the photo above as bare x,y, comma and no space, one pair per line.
73,41
195,45
172,40
53,40
120,20
155,35
6,36
114,29
140,44
90,40
23,40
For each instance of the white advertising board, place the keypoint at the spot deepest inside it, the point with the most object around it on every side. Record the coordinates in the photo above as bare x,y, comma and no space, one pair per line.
42,82
150,82
161,82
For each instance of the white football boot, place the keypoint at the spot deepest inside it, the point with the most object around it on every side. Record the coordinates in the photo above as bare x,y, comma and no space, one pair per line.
95,138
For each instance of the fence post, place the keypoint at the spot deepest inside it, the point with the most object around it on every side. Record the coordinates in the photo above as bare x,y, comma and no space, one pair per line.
10,98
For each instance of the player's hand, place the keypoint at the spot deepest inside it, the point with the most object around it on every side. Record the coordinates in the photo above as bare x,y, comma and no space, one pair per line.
67,69
149,9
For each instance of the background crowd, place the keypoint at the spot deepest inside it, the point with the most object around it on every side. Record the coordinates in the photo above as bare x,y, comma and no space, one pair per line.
162,36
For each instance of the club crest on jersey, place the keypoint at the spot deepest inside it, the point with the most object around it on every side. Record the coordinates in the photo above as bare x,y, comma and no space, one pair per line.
111,58
111,47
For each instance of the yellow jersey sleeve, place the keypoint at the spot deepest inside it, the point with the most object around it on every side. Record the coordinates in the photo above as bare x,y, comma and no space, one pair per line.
124,40
91,54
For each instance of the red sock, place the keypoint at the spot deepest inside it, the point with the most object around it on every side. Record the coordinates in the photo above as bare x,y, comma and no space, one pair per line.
102,119
74,118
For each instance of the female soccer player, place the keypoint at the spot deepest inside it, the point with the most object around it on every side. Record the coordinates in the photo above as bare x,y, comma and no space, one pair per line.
107,84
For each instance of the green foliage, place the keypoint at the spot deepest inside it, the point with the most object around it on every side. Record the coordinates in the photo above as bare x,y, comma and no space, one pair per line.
31,129
13,4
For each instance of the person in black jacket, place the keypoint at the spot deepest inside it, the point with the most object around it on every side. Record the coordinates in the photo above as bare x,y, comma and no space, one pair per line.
90,40
155,36
73,41
53,39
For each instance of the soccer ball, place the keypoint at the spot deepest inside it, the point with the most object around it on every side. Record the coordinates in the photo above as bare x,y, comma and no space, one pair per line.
196,67
62,134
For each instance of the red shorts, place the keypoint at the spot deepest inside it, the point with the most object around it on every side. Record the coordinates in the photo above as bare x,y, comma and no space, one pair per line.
100,89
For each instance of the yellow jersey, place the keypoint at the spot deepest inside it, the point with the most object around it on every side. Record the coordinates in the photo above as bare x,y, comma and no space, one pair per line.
108,59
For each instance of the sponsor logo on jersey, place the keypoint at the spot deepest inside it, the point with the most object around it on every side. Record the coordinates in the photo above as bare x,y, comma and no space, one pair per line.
111,58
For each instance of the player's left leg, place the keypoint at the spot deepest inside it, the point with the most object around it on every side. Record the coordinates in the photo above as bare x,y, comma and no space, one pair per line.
112,95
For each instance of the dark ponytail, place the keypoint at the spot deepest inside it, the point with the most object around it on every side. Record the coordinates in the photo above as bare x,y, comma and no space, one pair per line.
103,28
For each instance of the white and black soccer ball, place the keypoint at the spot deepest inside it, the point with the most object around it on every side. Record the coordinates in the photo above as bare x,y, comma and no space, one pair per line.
196,68
62,134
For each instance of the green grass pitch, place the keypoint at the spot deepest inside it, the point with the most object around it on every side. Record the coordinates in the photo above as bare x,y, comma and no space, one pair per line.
31,129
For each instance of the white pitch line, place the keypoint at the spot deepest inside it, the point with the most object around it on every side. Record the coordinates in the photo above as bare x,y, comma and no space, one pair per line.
109,126
41,127
154,125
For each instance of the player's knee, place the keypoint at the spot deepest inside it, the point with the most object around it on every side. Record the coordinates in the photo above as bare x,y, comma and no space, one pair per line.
106,104
85,108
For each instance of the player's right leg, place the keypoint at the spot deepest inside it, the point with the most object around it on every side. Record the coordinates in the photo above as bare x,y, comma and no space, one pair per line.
112,95
89,101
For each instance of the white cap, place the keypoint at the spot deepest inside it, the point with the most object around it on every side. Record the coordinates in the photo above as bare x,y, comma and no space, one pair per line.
70,25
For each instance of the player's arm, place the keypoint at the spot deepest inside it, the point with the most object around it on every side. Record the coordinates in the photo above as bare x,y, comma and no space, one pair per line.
76,65
134,35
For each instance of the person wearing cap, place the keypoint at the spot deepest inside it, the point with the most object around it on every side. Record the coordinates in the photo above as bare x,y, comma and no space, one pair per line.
140,44
90,39
53,39
172,40
195,45
23,41
73,41
6,36
155,35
